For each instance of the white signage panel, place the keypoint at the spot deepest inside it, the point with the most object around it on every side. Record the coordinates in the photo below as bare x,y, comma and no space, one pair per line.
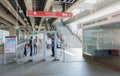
10,44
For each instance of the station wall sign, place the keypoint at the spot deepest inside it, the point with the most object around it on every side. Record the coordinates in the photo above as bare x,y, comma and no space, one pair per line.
107,19
49,14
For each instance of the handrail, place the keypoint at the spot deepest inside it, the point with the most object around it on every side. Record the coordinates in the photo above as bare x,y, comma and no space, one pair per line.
21,41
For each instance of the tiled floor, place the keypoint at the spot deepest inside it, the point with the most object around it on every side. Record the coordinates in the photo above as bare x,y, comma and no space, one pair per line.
59,68
74,64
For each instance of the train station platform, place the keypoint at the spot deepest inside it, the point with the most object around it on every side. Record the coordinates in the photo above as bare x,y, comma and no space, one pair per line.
74,63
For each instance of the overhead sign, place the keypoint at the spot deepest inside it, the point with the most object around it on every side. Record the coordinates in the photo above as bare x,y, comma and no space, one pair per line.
96,21
49,14
10,44
107,19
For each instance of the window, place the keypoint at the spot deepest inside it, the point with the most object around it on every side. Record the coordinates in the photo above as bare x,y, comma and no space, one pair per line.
3,33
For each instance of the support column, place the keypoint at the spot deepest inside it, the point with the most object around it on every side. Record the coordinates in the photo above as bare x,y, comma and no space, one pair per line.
17,33
12,31
44,45
24,35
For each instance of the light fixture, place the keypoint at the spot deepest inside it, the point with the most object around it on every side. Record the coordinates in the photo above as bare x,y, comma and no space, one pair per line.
20,11
27,23
25,19
46,19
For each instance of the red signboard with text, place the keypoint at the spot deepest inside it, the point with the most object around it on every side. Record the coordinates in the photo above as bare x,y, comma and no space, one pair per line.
49,14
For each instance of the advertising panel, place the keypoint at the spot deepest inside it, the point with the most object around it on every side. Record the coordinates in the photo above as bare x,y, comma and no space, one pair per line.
10,44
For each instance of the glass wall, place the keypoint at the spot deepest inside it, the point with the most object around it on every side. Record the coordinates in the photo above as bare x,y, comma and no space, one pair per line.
101,42
3,33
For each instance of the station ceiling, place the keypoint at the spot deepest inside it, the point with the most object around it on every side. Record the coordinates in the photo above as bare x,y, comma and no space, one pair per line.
14,11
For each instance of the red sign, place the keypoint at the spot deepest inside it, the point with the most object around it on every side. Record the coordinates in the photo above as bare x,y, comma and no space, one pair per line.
48,14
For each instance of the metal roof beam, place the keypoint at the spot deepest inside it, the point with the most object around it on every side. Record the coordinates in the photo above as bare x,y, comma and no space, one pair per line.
8,6
47,8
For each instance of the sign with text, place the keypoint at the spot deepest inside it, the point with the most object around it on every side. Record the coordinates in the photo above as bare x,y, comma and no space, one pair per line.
49,14
107,19
10,44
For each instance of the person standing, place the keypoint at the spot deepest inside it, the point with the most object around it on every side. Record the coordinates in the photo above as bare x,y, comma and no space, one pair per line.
25,49
30,44
35,45
53,46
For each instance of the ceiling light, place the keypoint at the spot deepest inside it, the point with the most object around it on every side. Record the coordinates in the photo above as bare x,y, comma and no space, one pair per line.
20,11
46,19
25,19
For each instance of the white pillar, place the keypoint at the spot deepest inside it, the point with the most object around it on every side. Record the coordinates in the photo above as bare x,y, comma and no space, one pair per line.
44,46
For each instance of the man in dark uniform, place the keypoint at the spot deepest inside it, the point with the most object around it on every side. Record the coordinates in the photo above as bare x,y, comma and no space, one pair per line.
53,46
30,44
